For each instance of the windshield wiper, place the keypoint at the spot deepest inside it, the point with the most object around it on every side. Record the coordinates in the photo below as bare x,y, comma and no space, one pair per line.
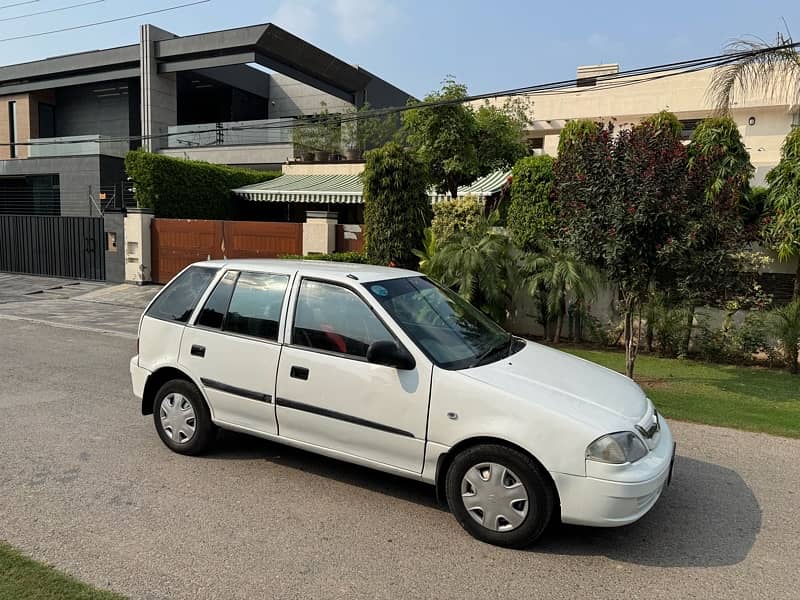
506,345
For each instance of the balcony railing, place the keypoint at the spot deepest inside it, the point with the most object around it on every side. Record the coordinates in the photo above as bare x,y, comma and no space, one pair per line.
76,145
235,133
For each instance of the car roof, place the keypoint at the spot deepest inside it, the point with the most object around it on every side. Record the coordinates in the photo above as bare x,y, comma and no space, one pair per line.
337,271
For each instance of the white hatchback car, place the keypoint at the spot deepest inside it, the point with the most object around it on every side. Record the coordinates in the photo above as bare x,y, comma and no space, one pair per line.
384,368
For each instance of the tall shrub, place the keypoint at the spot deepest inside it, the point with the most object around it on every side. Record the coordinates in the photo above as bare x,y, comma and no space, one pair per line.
396,205
175,188
531,214
454,216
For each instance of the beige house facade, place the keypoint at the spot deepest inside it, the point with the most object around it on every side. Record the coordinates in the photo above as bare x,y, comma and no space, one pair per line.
604,96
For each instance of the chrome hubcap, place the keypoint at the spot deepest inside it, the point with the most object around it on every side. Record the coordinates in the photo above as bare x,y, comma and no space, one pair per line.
494,496
177,418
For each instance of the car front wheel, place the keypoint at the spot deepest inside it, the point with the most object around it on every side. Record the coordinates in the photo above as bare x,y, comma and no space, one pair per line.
181,417
499,495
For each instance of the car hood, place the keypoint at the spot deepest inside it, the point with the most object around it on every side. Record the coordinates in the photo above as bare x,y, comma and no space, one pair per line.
586,387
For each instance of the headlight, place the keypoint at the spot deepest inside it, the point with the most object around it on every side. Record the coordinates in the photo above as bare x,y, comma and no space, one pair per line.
617,448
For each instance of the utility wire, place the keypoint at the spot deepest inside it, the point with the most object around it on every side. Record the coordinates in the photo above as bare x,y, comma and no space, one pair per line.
18,4
52,10
610,81
107,21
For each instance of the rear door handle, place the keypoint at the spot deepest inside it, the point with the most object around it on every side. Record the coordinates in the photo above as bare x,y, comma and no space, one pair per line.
198,350
299,373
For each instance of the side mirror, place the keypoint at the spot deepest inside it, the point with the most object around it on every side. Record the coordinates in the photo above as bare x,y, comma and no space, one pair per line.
390,354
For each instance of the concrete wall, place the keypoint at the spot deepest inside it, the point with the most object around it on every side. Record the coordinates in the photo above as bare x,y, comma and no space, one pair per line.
114,224
159,94
344,168
27,120
290,98
102,108
382,94
269,156
79,178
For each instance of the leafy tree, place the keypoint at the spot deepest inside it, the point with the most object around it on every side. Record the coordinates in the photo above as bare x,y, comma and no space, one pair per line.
782,230
532,214
458,144
481,265
762,67
623,202
396,205
713,269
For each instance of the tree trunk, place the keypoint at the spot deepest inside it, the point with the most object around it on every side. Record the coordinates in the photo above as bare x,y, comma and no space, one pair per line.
792,350
452,187
687,336
630,347
649,333
797,280
559,325
577,325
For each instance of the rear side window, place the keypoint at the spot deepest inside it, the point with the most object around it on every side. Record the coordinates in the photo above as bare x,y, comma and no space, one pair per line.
255,307
178,300
217,304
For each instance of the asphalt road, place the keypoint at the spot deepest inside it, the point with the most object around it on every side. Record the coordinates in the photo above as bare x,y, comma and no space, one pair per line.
86,485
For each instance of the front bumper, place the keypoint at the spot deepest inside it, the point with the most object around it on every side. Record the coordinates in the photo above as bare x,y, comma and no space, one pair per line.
138,377
600,501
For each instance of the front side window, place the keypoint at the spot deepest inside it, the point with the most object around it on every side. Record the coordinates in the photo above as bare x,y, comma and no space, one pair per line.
332,318
452,332
177,301
255,306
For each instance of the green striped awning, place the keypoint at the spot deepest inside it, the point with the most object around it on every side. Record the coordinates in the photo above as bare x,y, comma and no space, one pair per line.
338,189
348,189
482,188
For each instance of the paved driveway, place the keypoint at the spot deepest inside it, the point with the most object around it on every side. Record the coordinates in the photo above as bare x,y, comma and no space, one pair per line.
86,485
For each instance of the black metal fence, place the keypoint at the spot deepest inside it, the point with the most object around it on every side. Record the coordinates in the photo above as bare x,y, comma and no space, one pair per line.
71,247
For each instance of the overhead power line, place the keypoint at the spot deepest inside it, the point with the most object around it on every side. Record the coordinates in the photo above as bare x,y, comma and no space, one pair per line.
106,22
605,82
18,4
52,10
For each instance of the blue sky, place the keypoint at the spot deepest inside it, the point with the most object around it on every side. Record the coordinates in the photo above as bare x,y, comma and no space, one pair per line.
489,45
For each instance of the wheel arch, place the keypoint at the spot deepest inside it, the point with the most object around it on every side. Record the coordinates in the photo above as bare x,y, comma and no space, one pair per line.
159,378
445,460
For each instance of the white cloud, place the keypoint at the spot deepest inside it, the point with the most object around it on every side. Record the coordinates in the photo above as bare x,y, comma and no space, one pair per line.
299,17
360,20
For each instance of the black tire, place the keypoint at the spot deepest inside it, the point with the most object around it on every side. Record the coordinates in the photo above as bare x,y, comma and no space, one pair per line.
204,430
539,489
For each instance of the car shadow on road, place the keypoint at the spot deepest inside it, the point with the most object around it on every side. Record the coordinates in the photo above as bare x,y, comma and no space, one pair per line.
236,446
708,517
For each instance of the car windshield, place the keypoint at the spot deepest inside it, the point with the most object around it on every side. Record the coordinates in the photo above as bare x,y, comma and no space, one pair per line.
453,333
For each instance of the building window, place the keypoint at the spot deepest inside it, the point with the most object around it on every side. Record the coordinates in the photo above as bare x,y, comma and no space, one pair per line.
536,143
687,128
586,81
12,128
47,120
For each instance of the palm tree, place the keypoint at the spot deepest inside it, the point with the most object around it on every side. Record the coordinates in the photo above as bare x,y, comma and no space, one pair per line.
562,278
786,327
480,264
772,69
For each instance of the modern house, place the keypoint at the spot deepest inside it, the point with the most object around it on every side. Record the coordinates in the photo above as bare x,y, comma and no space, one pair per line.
224,97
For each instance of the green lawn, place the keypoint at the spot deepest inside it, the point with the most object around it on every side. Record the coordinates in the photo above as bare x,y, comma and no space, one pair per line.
24,579
749,398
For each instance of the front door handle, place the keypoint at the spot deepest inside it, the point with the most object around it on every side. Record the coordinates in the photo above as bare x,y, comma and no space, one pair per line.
198,350
299,373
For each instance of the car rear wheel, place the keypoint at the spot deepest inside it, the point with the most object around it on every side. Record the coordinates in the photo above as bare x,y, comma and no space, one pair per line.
499,495
181,417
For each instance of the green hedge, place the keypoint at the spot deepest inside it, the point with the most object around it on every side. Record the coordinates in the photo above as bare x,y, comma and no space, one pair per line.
350,257
187,189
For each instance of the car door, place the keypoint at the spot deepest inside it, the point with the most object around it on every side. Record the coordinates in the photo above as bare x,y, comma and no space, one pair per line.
232,348
330,396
